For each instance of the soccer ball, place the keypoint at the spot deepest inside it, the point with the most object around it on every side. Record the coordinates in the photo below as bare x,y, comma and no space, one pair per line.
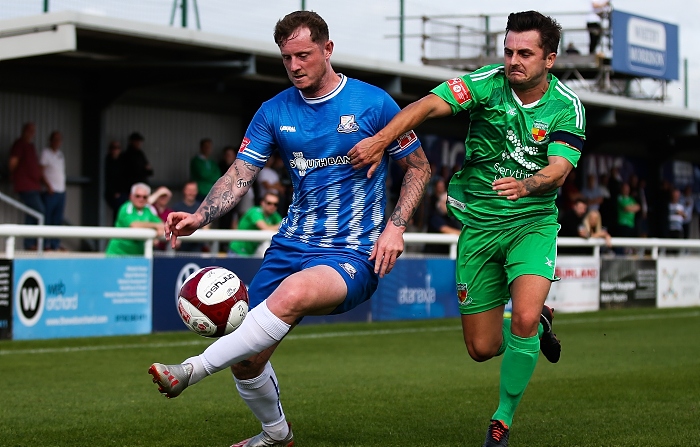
212,302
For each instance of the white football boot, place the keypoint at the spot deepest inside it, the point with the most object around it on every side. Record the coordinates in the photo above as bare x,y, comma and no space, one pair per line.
264,440
171,379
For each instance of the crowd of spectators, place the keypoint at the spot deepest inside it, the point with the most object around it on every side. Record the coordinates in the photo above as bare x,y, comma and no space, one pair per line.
604,205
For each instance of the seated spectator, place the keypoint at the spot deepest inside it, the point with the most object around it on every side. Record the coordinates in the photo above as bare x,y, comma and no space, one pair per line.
593,227
160,201
440,221
571,49
135,213
263,217
571,225
189,204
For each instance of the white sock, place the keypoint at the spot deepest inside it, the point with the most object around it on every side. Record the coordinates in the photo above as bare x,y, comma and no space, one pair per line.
260,330
262,396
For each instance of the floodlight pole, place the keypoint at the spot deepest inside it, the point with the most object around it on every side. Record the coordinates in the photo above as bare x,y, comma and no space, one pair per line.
46,5
303,5
401,29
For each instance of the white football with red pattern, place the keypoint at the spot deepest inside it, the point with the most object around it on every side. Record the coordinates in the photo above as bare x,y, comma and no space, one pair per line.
213,302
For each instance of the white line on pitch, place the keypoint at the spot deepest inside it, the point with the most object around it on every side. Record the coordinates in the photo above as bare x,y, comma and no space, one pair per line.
610,319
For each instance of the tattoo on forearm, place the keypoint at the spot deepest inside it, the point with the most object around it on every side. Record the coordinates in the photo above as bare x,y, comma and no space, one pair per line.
539,184
227,192
417,174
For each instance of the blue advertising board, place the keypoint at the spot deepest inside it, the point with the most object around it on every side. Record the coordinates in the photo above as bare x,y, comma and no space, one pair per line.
417,289
56,298
644,47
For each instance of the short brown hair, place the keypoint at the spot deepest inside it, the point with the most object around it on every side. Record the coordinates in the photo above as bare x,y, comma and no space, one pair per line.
549,29
287,25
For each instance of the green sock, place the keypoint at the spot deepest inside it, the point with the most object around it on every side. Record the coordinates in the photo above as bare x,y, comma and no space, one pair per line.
518,364
506,334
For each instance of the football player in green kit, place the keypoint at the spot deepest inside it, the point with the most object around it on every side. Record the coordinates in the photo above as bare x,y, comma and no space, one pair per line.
525,136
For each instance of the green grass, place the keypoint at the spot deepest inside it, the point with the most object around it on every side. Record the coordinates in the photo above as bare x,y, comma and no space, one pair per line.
626,378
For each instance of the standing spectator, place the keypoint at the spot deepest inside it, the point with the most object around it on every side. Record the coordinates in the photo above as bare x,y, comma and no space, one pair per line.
688,202
600,9
263,217
592,193
114,195
571,225
627,208
136,213
268,178
203,169
53,165
26,176
570,191
676,215
135,167
189,204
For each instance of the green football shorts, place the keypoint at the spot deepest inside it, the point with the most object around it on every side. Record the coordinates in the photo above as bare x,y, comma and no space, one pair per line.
489,260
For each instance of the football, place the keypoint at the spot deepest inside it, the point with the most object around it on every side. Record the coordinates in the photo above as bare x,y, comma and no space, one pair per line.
213,302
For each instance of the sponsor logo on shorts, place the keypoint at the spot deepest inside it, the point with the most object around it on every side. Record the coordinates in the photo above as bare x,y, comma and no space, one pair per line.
459,90
463,295
349,269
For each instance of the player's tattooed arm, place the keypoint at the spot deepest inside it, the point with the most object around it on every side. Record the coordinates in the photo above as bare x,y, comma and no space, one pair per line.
228,191
416,176
543,181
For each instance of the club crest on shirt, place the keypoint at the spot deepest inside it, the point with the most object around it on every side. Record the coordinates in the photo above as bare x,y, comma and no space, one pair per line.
349,269
348,124
539,131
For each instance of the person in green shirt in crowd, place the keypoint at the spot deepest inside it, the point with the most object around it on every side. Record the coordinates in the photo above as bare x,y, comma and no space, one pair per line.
203,169
135,213
263,217
627,209
525,135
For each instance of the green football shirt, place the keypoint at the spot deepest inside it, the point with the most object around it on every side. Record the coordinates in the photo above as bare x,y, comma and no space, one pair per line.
126,215
508,139
249,222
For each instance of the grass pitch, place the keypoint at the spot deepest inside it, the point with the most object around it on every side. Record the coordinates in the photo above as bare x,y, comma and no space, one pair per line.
626,378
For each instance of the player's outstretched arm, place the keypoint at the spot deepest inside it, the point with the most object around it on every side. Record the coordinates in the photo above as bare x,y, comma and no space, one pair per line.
369,151
390,244
543,181
223,196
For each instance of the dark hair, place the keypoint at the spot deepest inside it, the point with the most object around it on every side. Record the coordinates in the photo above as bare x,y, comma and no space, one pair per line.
204,141
549,29
286,27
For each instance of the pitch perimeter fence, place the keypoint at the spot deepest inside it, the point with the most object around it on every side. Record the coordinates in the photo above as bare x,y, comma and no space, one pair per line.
69,294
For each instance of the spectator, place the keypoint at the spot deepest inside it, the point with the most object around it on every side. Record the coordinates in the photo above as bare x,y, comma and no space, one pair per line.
571,49
203,169
263,217
26,176
571,220
268,178
160,201
285,194
570,191
135,167
114,196
688,202
230,219
440,221
136,213
53,165
600,9
593,227
638,193
676,215
627,208
592,193
189,204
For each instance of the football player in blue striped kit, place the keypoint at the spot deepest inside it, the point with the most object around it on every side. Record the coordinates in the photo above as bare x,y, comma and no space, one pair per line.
334,244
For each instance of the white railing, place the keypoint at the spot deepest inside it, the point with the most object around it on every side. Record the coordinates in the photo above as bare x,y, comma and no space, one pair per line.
12,231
